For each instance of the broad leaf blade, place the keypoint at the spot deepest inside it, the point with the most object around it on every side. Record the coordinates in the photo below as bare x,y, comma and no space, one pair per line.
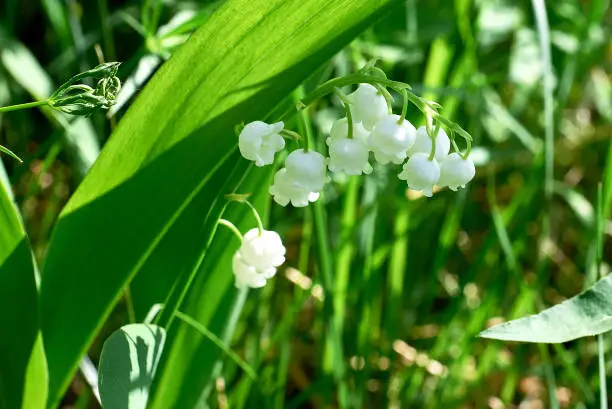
589,313
159,164
23,372
128,363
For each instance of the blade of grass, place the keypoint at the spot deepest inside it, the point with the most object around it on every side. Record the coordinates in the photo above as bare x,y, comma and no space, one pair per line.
218,342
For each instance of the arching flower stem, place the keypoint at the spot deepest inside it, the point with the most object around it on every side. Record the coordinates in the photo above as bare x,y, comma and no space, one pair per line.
232,227
347,109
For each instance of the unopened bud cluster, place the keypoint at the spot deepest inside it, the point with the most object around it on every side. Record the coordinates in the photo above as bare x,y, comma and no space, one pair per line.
374,131
81,99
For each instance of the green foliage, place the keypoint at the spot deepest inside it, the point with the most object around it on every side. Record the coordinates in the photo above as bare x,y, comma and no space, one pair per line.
587,314
383,293
180,142
23,370
128,363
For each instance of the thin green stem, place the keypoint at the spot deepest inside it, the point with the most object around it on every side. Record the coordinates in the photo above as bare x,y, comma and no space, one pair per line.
256,214
289,134
603,392
404,105
335,361
599,231
387,96
357,78
23,106
217,341
347,109
129,304
303,115
433,136
232,227
539,8
226,338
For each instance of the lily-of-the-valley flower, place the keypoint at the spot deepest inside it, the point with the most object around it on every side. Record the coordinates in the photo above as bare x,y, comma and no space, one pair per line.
263,250
390,139
339,130
246,275
306,169
367,105
420,173
456,172
258,257
285,190
349,156
259,141
422,144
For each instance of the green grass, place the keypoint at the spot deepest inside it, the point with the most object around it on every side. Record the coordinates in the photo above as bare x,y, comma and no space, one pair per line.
384,292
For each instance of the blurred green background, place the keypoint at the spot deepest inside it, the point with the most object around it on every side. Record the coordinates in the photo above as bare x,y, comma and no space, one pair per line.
415,279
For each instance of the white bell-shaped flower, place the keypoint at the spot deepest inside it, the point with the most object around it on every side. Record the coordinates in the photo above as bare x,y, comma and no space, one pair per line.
339,130
285,190
259,141
455,171
306,169
349,156
263,251
246,275
391,140
367,105
422,144
420,173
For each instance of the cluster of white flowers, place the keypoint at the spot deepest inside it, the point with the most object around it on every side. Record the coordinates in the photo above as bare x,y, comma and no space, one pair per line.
390,138
258,257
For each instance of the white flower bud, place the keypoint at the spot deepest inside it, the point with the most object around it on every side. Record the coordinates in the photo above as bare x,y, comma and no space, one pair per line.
422,144
367,105
285,190
306,169
455,171
245,275
390,140
259,141
349,156
339,130
265,252
421,173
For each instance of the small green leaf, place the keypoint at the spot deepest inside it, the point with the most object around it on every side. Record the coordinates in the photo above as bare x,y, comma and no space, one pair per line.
127,365
11,154
589,313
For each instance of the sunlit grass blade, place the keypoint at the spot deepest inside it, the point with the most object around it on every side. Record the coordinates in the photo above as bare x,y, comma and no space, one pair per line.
10,153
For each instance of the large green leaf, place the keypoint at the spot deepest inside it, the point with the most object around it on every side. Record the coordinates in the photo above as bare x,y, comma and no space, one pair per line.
128,363
155,179
589,313
23,371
